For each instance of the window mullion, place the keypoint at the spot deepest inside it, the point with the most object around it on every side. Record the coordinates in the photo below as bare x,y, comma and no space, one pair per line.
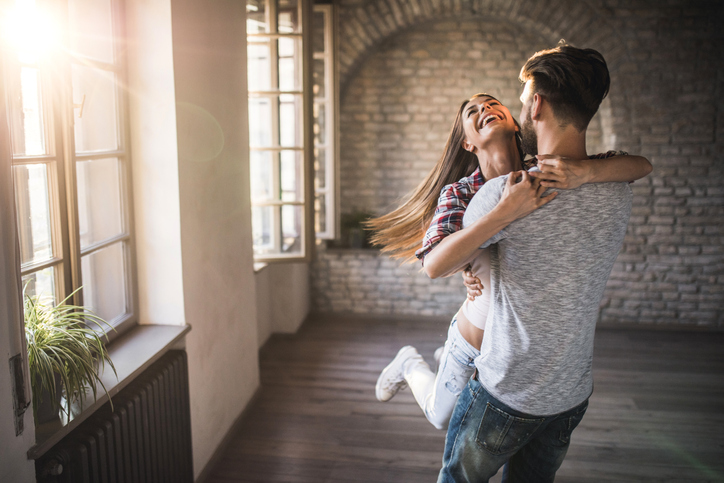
271,15
67,160
276,131
307,12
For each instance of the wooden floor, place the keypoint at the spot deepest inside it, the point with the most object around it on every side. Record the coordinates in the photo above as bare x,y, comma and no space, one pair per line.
656,415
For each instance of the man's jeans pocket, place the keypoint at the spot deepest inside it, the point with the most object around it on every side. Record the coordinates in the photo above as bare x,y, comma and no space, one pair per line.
565,426
501,433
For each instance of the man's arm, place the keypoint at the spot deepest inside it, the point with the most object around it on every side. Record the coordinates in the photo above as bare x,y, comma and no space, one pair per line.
566,173
495,206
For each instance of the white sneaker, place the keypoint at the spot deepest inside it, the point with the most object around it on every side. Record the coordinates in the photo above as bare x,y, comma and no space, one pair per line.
437,356
392,378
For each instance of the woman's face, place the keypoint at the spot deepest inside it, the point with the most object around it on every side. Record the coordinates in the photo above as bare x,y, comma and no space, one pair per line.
485,121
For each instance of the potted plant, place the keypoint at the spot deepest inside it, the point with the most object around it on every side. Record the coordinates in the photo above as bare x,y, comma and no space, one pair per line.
354,230
65,354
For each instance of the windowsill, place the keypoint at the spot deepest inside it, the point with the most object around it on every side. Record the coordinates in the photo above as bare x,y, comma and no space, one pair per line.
352,250
131,354
259,266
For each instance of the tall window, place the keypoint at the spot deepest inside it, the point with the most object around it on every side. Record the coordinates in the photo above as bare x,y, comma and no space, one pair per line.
64,73
280,128
325,124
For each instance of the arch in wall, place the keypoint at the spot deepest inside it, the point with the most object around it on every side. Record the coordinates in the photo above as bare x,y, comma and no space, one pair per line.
368,25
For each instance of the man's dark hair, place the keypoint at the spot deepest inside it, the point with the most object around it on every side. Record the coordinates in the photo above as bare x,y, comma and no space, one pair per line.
573,80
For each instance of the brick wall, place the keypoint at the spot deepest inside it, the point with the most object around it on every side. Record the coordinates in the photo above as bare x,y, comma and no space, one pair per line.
363,281
405,67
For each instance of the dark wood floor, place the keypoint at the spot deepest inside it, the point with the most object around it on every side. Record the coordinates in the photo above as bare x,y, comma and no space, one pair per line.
656,415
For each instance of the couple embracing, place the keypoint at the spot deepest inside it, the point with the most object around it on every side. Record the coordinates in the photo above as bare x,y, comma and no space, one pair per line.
537,240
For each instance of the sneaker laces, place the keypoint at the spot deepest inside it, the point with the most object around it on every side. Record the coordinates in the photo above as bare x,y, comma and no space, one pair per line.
398,384
398,381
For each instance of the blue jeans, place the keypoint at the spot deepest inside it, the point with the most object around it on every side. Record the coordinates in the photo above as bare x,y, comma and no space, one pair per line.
484,434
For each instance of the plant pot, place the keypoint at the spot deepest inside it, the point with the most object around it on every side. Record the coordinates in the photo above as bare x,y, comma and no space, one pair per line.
356,238
49,406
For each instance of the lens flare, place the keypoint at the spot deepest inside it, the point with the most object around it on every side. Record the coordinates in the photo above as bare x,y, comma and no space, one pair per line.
29,31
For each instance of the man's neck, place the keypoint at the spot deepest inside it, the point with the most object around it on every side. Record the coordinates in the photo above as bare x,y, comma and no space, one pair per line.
566,142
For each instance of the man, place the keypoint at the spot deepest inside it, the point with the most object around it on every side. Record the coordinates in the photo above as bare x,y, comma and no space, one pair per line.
548,273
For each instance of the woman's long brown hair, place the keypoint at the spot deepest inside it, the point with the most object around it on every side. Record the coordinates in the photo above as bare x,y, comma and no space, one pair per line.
400,232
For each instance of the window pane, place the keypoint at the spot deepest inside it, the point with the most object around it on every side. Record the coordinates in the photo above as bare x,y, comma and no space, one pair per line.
260,121
291,175
91,29
288,15
259,65
318,78
320,210
33,207
288,64
262,224
96,117
292,226
318,32
104,281
290,115
26,106
320,124
41,283
99,200
256,17
262,185
320,168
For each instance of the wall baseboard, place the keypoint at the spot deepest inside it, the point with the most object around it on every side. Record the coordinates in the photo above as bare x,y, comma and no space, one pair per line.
224,444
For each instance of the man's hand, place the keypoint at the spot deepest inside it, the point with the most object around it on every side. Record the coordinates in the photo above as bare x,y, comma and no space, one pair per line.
561,172
472,284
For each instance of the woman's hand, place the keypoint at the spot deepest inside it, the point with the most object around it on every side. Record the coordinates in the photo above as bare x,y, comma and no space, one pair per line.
473,284
522,198
561,172
567,173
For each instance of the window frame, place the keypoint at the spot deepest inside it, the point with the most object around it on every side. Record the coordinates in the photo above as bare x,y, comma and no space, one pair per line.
331,104
59,110
305,11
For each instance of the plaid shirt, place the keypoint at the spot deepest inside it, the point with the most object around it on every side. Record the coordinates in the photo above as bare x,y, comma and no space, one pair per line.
454,199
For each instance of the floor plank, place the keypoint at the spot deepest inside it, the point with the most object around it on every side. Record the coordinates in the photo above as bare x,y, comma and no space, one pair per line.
656,415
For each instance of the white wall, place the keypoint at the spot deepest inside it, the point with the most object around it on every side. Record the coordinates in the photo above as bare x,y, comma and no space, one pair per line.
209,60
283,299
154,153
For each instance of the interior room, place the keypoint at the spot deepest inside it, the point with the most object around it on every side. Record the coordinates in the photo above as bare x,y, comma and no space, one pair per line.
199,173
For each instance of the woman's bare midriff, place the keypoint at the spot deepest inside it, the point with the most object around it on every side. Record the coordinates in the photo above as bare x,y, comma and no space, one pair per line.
470,333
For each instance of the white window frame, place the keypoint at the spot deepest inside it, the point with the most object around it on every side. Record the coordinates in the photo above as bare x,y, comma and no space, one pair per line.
330,101
306,171
60,110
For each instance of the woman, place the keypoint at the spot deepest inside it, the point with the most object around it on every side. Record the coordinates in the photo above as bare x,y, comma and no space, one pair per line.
484,143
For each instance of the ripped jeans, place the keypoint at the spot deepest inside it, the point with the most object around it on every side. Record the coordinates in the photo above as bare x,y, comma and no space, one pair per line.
437,394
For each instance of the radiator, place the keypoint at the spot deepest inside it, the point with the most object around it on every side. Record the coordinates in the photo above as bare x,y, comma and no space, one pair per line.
146,438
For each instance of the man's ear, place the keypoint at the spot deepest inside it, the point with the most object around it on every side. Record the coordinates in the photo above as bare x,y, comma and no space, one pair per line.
467,146
536,107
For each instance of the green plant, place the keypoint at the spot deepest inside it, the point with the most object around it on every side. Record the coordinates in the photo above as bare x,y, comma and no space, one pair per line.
354,230
61,342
